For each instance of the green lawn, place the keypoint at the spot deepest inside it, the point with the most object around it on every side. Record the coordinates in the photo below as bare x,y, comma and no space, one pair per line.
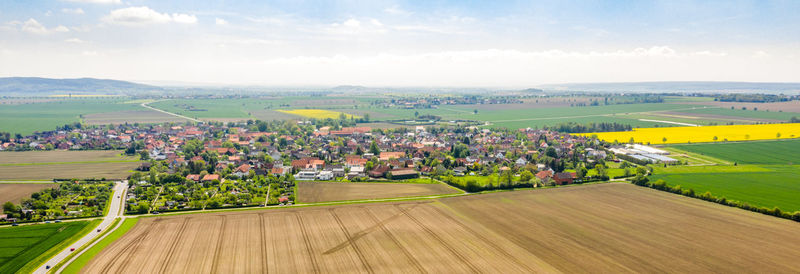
19,245
756,152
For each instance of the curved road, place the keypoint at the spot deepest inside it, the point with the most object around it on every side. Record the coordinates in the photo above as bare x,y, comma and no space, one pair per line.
115,210
170,113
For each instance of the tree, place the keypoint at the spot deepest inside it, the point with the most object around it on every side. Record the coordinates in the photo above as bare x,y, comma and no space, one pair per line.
664,140
373,148
582,172
525,176
9,207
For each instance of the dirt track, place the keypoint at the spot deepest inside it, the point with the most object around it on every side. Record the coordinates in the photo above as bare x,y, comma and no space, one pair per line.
600,228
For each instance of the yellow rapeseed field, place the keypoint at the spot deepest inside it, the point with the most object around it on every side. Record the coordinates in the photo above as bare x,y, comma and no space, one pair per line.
317,113
676,135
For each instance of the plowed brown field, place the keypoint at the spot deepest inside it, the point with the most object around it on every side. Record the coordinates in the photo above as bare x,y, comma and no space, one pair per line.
16,192
599,228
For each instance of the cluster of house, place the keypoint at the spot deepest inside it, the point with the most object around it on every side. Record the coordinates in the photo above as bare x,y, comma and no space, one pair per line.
327,153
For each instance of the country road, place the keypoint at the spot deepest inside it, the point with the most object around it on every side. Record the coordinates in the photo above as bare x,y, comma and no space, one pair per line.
115,210
170,113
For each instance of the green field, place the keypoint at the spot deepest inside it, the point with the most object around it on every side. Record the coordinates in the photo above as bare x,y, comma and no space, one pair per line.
779,187
765,173
19,245
781,116
27,118
758,152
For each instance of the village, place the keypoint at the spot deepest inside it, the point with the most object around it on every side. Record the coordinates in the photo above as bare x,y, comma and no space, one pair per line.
257,163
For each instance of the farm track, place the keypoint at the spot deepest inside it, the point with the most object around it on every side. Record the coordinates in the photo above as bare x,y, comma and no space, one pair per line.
167,112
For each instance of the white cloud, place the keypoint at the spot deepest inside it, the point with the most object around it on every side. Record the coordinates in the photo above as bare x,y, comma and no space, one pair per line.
137,16
711,53
396,10
33,26
352,23
761,54
75,40
184,18
220,21
72,11
376,23
96,1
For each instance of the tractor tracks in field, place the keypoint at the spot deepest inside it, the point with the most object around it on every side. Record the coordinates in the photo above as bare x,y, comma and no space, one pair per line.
351,242
173,245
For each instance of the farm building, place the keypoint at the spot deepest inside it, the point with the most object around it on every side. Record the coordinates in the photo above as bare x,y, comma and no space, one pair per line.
406,173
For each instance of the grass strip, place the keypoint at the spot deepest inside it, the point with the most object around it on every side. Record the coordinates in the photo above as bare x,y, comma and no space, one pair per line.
108,237
67,163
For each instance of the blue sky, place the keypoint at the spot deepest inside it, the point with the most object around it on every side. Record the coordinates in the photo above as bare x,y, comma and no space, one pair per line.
401,43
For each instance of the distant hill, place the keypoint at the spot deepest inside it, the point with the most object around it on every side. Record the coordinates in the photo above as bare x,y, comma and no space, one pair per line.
35,86
707,87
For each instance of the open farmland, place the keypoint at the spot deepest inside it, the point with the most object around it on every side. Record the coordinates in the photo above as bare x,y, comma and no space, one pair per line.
314,192
47,165
777,186
20,245
113,170
755,152
596,228
16,192
131,116
677,135
43,116
317,113
62,156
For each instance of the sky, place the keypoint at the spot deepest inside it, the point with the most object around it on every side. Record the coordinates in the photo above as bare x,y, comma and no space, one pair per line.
401,43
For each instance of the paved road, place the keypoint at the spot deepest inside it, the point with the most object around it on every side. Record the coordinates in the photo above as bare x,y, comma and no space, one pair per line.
170,113
115,210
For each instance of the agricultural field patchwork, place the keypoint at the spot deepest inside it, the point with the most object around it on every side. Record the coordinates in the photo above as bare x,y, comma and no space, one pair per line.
678,135
539,231
314,192
19,245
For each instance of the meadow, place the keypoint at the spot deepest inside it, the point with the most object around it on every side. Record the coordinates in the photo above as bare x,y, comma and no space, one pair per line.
538,231
677,135
22,244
